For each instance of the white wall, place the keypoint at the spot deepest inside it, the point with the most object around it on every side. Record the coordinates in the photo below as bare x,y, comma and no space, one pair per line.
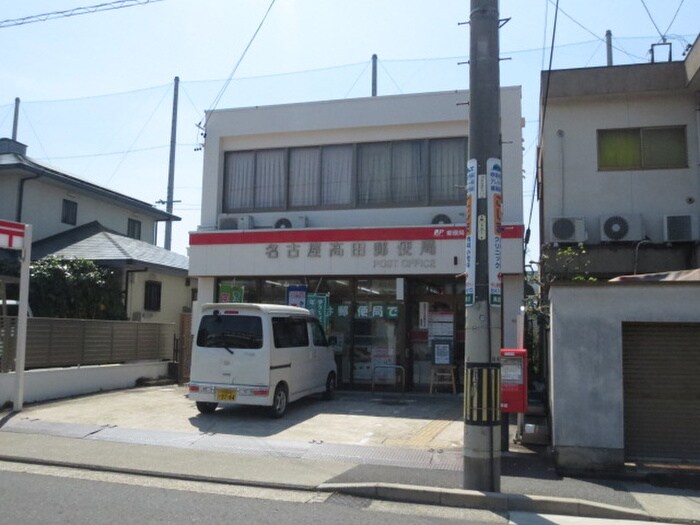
43,203
574,187
55,383
586,395
427,115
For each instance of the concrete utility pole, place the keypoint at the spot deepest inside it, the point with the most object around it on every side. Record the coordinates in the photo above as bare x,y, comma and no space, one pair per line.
482,411
171,167
15,122
374,75
608,47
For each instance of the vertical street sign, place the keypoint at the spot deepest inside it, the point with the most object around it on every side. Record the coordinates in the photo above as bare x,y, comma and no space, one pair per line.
495,217
18,236
470,255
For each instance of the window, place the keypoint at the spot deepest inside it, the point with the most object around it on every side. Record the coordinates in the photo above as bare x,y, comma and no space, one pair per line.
336,175
372,174
230,331
151,299
289,332
319,336
304,177
448,169
642,148
69,214
133,229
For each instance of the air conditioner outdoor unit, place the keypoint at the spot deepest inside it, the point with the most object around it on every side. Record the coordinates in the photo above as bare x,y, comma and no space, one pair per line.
293,221
246,222
441,218
567,229
620,228
228,222
680,228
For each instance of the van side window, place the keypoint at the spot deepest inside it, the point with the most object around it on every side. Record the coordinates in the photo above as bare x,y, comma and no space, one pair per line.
317,333
230,331
289,332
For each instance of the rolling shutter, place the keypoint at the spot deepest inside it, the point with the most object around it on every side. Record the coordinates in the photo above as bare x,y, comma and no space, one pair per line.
661,369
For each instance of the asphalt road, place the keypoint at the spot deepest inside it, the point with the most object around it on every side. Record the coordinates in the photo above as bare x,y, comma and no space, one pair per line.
50,495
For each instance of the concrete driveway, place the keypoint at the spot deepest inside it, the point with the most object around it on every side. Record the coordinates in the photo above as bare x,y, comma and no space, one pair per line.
419,421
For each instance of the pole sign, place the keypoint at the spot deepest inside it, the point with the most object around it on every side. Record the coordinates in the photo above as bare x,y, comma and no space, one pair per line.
11,235
495,219
470,254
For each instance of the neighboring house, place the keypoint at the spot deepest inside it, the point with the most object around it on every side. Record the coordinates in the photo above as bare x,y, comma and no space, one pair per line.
156,287
53,202
360,203
71,217
619,168
620,178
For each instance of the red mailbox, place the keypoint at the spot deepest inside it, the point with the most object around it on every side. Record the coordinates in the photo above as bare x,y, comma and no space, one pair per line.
513,380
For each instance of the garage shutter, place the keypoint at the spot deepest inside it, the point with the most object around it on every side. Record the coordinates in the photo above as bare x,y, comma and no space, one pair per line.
661,368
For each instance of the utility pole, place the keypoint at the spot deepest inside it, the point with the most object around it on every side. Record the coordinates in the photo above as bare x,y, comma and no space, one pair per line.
374,75
15,122
608,47
171,167
482,382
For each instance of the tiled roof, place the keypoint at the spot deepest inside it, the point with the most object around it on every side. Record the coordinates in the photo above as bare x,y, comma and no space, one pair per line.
94,242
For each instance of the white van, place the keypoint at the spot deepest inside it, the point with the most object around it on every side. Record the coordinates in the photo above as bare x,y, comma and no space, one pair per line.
259,354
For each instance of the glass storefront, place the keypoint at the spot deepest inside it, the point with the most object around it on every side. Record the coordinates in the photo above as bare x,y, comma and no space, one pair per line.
385,327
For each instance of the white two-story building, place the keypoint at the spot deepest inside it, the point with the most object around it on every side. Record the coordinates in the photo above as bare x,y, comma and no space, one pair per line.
356,210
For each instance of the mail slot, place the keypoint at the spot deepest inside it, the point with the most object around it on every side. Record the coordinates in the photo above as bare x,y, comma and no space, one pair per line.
513,380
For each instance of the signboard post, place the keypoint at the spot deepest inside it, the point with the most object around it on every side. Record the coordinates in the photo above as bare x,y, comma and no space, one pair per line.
18,236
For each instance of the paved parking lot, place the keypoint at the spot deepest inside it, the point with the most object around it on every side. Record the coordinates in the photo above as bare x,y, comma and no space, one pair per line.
421,421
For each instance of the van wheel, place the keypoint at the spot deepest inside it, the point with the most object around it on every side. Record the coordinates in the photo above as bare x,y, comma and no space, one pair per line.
206,407
279,402
330,387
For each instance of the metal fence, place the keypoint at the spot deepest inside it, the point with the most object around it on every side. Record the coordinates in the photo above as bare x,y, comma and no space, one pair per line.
73,342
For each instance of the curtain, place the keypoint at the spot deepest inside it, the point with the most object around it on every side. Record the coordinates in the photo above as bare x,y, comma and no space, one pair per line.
304,176
270,179
619,149
336,179
373,173
448,169
239,181
407,172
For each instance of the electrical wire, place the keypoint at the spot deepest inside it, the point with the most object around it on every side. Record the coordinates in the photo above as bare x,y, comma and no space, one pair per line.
121,161
109,6
235,68
653,21
542,121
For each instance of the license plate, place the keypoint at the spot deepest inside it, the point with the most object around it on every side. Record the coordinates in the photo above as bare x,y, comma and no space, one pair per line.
225,394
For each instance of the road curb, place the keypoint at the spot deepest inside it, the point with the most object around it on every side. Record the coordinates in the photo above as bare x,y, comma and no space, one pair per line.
496,502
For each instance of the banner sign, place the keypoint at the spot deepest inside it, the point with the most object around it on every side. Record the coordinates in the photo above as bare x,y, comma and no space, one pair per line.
495,219
319,305
470,254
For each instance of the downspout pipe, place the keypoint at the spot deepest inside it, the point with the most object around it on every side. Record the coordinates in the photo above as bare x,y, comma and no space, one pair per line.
20,196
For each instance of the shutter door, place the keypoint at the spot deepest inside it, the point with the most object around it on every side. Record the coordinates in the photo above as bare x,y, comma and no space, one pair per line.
661,368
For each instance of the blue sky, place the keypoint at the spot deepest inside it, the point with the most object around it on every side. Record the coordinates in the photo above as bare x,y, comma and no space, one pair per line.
96,89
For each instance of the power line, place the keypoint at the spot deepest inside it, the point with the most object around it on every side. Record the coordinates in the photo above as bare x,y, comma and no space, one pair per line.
235,68
109,6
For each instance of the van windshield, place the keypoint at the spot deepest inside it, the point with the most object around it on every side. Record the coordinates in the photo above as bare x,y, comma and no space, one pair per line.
230,331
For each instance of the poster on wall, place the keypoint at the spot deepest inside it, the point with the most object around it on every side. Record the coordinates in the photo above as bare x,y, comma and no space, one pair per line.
230,293
442,351
383,359
470,254
296,295
495,218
